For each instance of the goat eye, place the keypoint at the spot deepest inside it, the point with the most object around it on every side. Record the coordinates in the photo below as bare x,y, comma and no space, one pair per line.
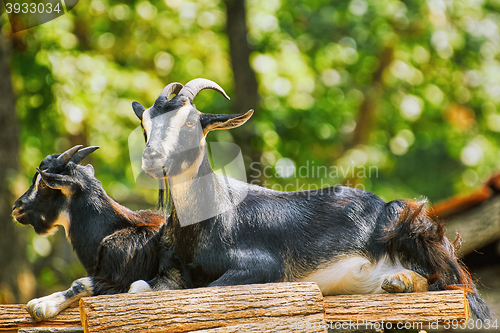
190,124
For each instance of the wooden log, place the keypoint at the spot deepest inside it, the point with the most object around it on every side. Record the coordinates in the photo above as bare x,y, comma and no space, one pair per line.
203,308
474,216
297,324
428,307
478,226
51,330
15,316
460,203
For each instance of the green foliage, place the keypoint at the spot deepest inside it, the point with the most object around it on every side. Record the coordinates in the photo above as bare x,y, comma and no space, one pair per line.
428,73
428,69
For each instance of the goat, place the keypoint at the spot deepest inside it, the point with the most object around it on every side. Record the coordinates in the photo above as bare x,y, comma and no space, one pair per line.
227,232
115,245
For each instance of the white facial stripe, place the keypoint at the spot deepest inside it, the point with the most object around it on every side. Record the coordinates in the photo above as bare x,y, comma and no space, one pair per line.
176,123
35,190
146,122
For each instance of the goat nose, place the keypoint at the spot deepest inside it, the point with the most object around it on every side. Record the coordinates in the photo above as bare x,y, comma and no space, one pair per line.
152,153
16,205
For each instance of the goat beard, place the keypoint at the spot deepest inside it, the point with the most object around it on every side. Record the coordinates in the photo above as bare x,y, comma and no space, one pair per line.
165,203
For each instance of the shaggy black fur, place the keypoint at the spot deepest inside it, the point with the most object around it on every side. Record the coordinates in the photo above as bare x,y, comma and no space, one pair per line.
115,245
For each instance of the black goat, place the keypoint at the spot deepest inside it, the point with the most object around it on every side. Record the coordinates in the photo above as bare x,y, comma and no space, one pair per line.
115,245
227,232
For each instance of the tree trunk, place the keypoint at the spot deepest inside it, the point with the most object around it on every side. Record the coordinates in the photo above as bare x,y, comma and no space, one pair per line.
15,278
246,89
367,111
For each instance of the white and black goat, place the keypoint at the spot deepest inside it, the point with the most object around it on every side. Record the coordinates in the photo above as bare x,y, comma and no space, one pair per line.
346,240
115,245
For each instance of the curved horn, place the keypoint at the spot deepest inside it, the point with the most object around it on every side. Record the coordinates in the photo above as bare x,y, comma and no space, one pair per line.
68,154
172,88
81,154
193,87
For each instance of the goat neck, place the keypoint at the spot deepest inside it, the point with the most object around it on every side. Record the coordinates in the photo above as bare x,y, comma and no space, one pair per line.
199,194
88,210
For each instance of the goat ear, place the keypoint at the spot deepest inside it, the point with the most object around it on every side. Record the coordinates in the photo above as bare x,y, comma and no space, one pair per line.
90,169
55,181
138,109
210,122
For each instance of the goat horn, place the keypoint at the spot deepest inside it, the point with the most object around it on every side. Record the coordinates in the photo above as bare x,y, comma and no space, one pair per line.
68,154
172,88
193,87
83,153
42,173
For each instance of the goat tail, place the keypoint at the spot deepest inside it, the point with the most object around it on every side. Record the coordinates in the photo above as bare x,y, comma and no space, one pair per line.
420,244
477,305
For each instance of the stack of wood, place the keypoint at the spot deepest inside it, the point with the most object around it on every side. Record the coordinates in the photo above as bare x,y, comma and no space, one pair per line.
275,307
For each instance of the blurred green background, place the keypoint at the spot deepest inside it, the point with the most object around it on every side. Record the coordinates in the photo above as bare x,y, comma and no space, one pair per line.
408,90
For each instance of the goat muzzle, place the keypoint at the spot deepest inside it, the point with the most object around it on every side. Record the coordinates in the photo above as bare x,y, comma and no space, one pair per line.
19,214
153,163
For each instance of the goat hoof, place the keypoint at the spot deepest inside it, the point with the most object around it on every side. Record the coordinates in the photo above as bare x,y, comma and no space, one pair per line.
405,282
139,286
42,309
397,284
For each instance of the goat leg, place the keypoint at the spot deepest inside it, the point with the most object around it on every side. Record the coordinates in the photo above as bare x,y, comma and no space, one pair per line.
49,306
